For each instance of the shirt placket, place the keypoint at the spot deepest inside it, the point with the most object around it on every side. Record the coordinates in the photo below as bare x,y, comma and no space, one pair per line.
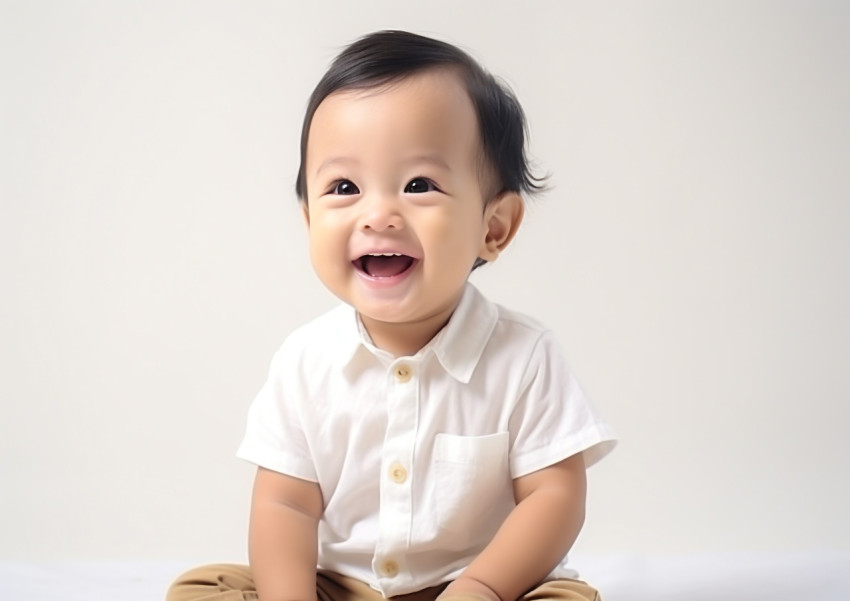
395,516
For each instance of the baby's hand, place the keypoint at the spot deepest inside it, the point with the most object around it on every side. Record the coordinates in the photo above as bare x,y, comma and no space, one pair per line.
468,589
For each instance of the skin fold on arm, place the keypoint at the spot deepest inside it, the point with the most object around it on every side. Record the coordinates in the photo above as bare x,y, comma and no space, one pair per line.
535,536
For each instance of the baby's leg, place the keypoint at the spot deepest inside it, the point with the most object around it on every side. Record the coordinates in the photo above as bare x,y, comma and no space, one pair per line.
222,582
562,590
227,582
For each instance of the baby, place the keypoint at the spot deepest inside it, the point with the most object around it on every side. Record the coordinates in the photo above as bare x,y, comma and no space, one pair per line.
418,440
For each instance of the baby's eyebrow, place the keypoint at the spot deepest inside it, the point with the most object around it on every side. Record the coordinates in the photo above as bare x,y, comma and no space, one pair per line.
335,161
436,160
433,159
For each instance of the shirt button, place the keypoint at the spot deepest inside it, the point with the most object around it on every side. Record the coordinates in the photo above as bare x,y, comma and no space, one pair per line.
389,568
402,373
398,473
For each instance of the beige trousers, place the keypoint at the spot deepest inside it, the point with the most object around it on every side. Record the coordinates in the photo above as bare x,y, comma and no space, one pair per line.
226,582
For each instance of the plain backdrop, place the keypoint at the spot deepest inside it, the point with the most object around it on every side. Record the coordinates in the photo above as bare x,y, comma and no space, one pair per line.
691,255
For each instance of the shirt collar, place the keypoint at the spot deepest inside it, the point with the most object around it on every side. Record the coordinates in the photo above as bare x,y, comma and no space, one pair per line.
458,346
351,336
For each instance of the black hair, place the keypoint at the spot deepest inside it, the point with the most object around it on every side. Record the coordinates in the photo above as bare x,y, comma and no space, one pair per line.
387,56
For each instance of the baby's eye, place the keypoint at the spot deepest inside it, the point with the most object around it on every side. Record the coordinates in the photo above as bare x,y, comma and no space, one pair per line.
419,185
344,187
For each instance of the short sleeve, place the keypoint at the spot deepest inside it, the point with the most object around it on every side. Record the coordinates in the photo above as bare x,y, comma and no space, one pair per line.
274,435
552,419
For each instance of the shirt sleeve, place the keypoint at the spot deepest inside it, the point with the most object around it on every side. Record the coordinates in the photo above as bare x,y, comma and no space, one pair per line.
274,435
552,419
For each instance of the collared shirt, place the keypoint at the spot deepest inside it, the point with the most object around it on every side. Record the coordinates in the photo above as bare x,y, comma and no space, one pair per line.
415,456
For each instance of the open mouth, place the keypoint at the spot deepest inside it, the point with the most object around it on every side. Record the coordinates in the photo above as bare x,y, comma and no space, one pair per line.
384,265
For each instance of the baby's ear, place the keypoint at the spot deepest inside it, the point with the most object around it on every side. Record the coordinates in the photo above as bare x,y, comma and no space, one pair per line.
502,216
305,213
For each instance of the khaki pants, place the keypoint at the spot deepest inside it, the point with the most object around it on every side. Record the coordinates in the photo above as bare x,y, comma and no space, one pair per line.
234,583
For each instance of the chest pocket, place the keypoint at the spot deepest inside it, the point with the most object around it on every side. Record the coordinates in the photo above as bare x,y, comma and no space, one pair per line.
472,475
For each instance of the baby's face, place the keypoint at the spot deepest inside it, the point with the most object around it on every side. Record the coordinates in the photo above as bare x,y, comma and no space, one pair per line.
394,207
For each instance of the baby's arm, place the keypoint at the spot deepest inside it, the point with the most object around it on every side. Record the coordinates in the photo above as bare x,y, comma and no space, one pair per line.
535,536
283,544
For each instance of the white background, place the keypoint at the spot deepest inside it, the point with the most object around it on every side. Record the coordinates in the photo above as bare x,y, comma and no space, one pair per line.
692,256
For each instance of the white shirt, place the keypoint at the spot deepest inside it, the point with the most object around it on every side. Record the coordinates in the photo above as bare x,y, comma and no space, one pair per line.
415,455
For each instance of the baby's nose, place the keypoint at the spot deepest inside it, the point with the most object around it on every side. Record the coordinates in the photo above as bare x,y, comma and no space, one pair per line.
381,214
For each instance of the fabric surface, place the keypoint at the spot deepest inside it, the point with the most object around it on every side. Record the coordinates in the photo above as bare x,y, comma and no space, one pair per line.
229,582
407,450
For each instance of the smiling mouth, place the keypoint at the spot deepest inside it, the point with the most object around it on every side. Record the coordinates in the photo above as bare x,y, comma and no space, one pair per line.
384,265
